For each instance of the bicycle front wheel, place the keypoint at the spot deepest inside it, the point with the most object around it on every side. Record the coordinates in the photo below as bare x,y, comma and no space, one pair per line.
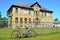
32,33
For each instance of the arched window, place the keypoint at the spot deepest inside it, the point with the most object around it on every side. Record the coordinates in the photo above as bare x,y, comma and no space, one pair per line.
16,20
25,20
21,20
36,20
16,10
29,20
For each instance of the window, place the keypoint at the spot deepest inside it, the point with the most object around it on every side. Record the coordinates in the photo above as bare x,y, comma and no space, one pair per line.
36,13
16,10
21,20
36,21
25,20
29,20
21,11
36,6
43,13
29,12
16,20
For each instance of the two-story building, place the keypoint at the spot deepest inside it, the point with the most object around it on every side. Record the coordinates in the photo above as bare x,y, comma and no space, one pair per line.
29,15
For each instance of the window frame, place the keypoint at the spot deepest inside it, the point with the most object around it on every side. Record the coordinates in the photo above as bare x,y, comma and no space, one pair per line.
16,20
21,20
43,13
29,20
16,10
25,20
36,13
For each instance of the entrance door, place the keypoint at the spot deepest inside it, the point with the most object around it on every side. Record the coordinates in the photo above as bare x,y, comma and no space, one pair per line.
36,23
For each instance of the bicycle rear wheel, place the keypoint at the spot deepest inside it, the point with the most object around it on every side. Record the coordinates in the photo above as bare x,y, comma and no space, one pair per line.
15,34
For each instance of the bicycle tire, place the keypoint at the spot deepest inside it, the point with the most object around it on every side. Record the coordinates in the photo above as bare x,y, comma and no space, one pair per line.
32,33
15,34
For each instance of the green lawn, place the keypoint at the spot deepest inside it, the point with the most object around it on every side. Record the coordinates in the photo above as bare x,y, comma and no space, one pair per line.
42,34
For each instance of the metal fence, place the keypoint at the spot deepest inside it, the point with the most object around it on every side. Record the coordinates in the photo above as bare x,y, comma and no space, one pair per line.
37,24
3,23
39,31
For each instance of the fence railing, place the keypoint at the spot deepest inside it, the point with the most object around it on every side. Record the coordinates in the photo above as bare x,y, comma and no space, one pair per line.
36,23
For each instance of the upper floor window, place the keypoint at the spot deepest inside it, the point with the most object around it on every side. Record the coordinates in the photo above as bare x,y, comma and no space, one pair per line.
16,20
43,13
21,20
29,12
26,11
16,10
36,12
36,6
21,11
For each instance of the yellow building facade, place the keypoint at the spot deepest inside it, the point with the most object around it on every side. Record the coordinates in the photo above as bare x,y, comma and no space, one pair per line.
29,15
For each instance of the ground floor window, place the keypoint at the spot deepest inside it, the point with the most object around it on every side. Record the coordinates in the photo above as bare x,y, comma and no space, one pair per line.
36,21
29,20
21,20
25,20
16,20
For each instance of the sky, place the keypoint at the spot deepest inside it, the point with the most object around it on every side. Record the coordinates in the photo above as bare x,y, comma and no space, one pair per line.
53,5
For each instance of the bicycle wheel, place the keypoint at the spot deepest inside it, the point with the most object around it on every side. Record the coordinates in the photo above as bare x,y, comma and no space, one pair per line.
32,33
15,34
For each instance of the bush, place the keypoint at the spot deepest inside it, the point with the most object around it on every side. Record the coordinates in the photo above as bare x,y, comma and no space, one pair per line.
3,24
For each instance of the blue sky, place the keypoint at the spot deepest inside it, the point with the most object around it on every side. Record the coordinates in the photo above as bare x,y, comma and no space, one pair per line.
53,5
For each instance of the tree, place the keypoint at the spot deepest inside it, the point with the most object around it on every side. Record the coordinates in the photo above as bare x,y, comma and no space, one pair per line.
0,14
4,18
4,22
56,19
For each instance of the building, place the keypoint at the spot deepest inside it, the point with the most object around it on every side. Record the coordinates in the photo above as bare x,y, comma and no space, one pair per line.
29,15
56,24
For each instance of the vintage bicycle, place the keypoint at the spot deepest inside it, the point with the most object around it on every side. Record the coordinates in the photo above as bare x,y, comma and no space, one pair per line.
18,33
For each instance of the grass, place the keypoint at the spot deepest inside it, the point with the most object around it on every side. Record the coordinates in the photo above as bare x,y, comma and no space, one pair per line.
42,34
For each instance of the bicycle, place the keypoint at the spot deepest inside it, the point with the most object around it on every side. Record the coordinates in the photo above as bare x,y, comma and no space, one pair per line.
19,34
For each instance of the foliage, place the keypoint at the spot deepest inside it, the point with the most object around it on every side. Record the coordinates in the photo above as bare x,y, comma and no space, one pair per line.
3,22
56,19
0,14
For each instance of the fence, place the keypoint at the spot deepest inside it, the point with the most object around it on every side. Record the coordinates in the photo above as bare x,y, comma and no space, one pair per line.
3,23
37,24
39,31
